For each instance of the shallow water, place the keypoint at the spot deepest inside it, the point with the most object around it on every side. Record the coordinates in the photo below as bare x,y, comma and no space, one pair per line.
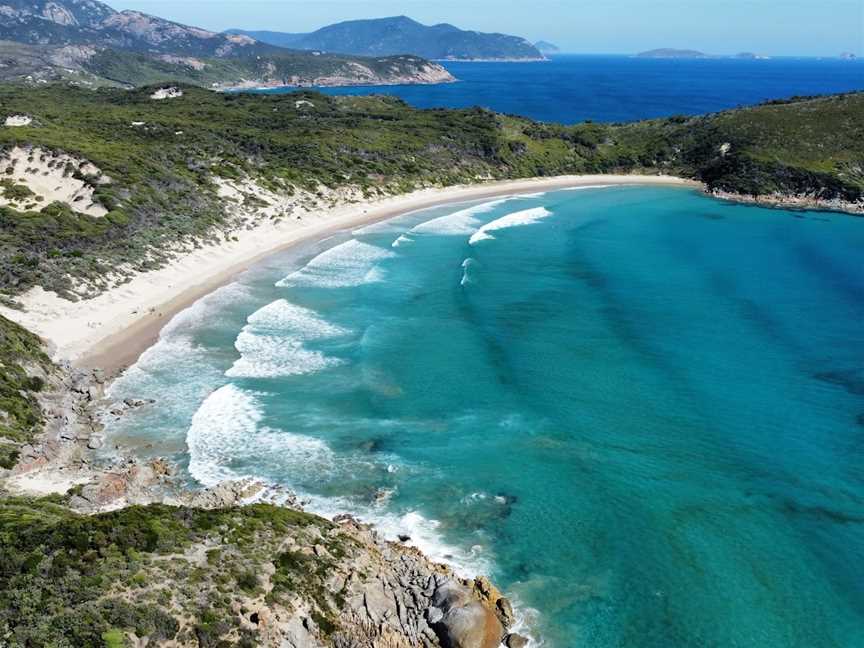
641,410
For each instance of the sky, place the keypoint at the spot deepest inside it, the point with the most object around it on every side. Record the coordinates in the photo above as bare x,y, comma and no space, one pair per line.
772,27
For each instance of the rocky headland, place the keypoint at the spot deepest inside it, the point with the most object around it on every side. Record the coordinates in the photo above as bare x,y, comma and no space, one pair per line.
221,566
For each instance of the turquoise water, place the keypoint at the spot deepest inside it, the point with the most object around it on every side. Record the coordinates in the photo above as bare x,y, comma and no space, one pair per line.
640,409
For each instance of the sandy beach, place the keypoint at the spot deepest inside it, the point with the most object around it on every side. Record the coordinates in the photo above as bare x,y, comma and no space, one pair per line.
111,330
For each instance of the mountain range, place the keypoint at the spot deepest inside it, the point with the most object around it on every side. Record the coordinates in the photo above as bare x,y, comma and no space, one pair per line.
402,35
88,42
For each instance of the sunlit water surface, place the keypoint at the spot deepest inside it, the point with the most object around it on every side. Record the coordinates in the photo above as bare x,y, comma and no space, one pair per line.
639,409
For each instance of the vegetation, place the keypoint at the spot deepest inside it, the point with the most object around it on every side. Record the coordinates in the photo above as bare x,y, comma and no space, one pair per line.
68,580
22,362
163,156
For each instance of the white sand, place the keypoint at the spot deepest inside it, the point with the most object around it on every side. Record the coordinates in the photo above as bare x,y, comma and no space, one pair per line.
45,173
104,328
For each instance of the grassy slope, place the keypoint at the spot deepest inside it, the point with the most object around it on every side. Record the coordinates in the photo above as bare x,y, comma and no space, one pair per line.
162,188
72,581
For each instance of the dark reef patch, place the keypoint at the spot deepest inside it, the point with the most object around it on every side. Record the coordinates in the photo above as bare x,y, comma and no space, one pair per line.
852,380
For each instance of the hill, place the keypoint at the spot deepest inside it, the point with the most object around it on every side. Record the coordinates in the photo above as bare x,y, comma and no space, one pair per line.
402,35
144,176
88,42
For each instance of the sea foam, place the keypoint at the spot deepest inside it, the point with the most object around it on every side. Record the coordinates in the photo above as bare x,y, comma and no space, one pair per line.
285,317
424,533
226,430
516,219
600,186
460,222
272,342
348,264
220,431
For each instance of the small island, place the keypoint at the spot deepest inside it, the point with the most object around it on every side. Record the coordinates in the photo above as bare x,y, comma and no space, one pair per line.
669,53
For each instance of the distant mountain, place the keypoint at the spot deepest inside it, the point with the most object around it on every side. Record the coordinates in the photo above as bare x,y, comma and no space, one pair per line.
672,53
402,35
848,56
86,41
545,47
752,56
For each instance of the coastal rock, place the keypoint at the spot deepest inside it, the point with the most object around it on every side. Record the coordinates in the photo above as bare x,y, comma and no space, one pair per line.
470,626
515,641
465,621
229,493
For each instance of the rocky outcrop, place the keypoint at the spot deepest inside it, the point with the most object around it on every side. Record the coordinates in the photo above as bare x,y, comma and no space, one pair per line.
394,596
793,201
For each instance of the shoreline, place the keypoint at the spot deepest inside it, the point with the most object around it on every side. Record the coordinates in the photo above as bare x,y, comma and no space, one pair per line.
111,330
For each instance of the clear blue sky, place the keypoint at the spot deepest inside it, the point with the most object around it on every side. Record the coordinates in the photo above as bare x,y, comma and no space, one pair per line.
777,27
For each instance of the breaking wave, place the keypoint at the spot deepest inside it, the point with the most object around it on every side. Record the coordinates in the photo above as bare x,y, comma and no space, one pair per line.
460,222
226,433
273,342
516,219
348,264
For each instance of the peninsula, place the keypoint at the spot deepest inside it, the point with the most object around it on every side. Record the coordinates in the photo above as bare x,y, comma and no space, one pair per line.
90,44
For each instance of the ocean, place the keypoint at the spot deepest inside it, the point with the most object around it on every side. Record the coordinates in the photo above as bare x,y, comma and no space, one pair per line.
640,410
570,89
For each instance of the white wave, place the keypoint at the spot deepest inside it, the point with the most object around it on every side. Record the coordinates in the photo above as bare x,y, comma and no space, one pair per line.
600,186
285,317
272,343
526,622
516,219
467,265
424,534
404,239
226,428
539,194
220,431
348,264
463,221
270,356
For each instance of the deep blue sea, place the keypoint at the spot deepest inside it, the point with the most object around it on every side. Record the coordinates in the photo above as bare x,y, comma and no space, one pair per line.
639,409
571,89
